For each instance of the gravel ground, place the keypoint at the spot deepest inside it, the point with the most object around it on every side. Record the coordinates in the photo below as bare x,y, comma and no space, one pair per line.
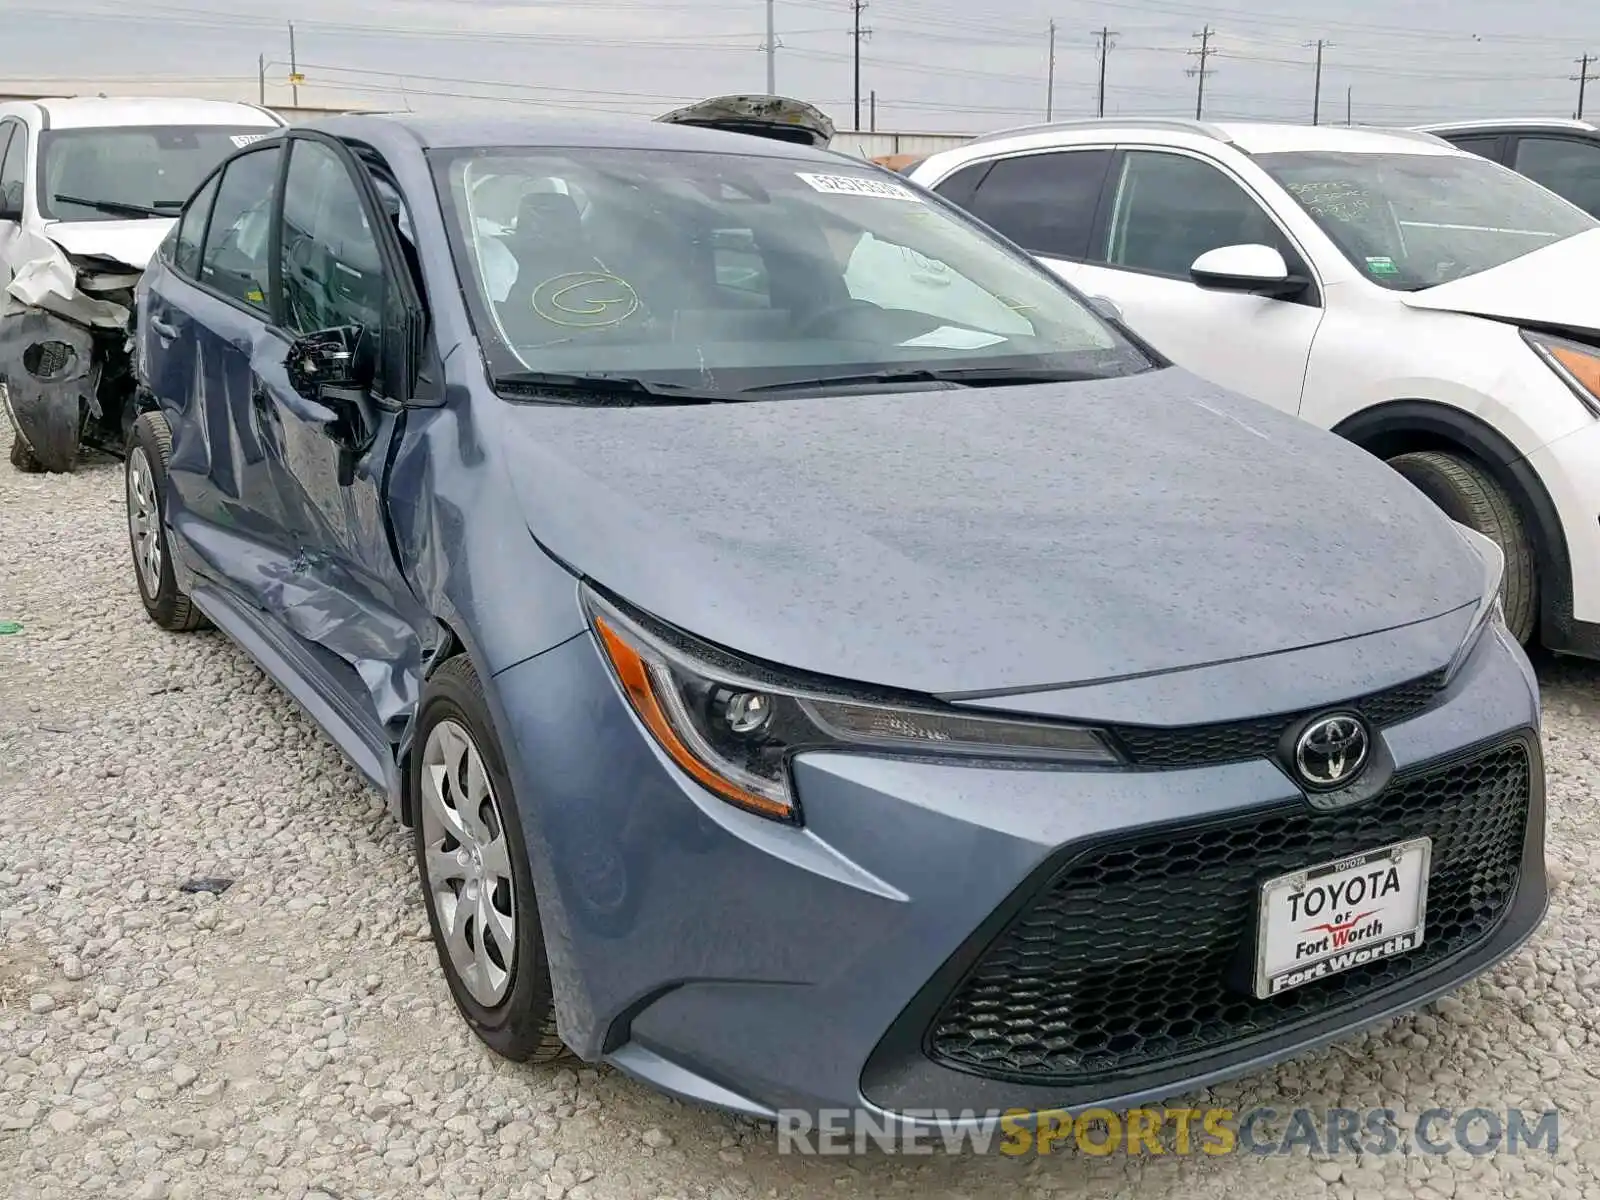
293,1037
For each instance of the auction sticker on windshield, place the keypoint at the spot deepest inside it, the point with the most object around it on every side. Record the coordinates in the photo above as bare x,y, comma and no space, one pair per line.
1338,915
853,185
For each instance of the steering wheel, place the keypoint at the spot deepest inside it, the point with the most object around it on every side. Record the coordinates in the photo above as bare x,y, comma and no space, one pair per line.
832,314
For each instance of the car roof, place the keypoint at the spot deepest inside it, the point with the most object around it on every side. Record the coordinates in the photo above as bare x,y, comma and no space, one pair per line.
556,132
1251,137
101,112
1512,125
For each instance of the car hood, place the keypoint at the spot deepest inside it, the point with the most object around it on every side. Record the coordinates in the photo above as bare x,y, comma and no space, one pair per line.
988,539
1553,285
129,242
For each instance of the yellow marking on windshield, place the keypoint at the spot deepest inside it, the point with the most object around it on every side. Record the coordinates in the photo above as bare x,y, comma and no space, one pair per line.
585,300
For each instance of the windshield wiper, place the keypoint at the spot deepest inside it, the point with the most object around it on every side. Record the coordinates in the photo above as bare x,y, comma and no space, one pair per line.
119,206
965,376
599,384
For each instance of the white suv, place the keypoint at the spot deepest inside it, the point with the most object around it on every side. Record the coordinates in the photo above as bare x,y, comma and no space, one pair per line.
1432,306
89,186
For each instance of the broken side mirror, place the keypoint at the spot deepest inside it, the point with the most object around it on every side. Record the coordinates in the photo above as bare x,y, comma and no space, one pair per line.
334,369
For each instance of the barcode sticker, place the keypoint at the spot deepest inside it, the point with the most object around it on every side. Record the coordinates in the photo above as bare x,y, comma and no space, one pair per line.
244,139
855,185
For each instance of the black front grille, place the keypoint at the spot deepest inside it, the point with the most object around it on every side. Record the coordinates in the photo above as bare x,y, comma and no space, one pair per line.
1237,741
1140,953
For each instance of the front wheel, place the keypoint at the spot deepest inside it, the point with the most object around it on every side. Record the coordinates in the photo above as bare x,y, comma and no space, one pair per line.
145,472
1469,494
476,881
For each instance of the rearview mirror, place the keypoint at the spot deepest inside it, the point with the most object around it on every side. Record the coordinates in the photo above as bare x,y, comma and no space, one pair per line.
1245,268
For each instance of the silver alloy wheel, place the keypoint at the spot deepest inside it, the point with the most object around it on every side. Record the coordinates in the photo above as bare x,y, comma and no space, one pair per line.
144,521
468,863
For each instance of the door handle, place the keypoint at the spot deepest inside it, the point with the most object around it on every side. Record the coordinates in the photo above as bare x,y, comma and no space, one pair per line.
163,330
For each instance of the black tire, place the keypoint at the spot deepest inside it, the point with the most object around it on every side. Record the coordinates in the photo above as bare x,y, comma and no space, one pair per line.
1469,494
150,444
521,1026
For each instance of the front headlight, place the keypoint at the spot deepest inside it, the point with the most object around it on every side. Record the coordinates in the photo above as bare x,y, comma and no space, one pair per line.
1577,364
1489,610
733,727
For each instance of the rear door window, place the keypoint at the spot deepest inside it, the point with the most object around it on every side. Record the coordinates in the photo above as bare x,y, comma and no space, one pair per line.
1569,167
1489,146
1169,209
237,256
1044,202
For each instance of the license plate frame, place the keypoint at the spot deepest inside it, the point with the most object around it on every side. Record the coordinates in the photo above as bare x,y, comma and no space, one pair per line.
1411,860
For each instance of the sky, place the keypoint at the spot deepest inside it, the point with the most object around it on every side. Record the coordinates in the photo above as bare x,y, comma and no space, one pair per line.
933,65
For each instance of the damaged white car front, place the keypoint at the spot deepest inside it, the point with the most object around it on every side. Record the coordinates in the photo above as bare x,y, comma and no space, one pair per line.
65,343
89,188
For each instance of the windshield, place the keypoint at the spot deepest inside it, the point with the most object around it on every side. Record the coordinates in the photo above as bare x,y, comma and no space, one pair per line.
723,272
1410,221
128,172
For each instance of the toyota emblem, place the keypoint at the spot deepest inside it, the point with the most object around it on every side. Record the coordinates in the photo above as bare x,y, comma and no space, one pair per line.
1331,751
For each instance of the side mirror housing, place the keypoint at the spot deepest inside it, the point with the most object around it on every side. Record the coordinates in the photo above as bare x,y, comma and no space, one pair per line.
1251,267
334,370
1107,308
328,358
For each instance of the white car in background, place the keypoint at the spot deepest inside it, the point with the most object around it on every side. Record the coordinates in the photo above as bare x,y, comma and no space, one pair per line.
89,187
1436,308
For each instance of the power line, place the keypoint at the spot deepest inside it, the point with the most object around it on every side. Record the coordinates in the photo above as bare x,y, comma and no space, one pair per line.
1102,37
1200,72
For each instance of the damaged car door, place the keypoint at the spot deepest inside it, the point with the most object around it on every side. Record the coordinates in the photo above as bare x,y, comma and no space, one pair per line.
280,360
202,320
328,407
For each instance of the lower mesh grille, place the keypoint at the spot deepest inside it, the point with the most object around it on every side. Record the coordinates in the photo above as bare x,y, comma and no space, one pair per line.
1130,956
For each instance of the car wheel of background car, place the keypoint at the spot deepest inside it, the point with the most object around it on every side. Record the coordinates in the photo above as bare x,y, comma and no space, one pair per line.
1469,494
145,469
476,881
22,458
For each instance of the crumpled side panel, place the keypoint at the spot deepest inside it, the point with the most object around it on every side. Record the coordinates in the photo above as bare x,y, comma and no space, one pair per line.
313,596
44,390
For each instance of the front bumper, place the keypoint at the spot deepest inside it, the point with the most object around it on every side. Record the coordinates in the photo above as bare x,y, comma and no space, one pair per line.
1569,468
728,959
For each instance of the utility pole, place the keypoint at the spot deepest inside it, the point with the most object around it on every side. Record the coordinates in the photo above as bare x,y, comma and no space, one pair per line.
872,111
1347,92
1200,72
261,78
1316,94
1102,37
772,53
1050,78
294,69
1584,78
857,7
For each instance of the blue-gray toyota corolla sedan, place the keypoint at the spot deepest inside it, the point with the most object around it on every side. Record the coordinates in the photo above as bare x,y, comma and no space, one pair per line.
823,662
